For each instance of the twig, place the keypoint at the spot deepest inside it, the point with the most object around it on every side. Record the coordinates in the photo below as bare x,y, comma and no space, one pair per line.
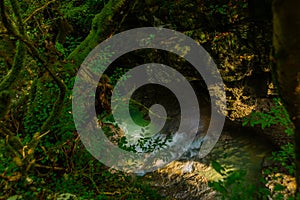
111,193
40,136
49,167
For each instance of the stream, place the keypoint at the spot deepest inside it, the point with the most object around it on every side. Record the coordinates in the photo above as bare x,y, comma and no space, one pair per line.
238,148
188,178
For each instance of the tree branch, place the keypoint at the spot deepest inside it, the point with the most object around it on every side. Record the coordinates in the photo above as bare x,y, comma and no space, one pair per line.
18,63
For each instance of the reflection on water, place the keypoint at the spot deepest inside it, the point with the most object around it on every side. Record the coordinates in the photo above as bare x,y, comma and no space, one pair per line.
187,178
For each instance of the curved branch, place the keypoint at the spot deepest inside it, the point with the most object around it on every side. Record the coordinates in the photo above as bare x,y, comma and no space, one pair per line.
19,57
17,66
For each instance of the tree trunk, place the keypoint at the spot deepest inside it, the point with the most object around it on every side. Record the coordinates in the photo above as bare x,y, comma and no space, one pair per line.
104,25
286,40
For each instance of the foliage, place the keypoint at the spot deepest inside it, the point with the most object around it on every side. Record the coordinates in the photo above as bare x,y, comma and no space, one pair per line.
55,161
227,11
39,105
286,155
81,13
234,186
145,142
277,115
70,44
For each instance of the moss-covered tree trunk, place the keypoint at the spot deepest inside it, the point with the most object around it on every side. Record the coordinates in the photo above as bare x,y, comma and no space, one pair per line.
286,39
104,25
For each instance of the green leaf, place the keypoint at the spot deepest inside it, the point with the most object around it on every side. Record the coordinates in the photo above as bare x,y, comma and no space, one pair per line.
218,167
245,122
218,186
235,176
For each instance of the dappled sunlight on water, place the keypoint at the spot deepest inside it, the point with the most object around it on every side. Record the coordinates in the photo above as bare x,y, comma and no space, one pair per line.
188,178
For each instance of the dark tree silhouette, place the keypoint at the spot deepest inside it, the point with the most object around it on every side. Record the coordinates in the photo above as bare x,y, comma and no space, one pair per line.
286,39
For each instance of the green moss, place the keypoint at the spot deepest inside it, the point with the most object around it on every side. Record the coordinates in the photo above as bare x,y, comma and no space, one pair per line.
102,26
38,107
12,76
